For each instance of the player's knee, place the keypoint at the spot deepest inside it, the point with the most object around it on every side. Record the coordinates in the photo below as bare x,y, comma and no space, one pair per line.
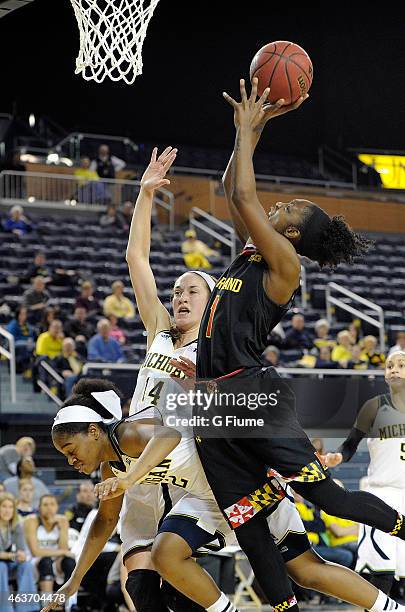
143,587
305,579
162,559
308,574
166,555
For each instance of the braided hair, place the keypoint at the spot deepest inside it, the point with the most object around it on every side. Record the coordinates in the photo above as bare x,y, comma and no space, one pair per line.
329,240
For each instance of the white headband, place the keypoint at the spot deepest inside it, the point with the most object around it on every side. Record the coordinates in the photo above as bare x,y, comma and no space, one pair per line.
397,352
82,414
208,279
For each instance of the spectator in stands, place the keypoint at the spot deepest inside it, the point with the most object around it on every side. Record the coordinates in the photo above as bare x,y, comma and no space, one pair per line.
127,212
57,276
115,331
85,173
271,356
354,328
400,342
343,349
323,360
112,218
25,505
276,336
95,580
69,365
375,358
39,268
196,253
23,334
117,304
25,471
85,502
105,164
13,558
297,337
81,330
103,348
36,299
17,223
322,337
316,530
357,362
47,539
49,344
48,315
87,300
10,455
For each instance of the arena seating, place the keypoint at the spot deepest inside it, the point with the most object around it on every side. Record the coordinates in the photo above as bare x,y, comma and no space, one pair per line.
79,243
277,164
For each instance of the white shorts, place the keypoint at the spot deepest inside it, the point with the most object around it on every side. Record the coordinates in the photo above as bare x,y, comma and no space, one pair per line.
379,551
143,509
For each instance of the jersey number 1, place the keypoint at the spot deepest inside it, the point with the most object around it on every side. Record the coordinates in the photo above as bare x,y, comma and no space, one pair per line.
212,314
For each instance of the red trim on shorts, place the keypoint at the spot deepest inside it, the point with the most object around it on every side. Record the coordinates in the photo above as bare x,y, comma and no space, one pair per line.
234,373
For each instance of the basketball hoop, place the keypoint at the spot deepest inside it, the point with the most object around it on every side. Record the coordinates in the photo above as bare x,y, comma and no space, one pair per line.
111,38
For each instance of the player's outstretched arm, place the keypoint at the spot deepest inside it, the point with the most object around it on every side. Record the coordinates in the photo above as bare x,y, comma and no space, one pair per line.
269,112
360,429
157,442
153,314
278,252
100,531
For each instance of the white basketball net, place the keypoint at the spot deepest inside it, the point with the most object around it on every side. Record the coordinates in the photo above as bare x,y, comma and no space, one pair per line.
111,37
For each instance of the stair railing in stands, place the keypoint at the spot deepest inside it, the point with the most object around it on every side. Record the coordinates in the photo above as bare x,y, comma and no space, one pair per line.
51,190
335,301
55,376
231,241
10,355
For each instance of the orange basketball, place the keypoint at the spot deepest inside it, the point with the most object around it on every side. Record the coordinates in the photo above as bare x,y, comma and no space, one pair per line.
284,67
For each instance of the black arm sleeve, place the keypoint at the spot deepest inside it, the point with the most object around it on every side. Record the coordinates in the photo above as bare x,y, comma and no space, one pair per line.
349,446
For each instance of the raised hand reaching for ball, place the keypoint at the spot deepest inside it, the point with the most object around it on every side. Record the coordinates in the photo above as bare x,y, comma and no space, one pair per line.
254,113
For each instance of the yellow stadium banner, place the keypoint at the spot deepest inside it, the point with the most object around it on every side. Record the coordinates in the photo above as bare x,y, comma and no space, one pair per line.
391,168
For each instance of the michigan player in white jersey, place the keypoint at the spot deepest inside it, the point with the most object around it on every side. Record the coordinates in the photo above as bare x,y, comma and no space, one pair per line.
167,337
382,420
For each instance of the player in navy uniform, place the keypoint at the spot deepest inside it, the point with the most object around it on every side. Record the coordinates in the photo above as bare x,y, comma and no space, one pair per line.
251,297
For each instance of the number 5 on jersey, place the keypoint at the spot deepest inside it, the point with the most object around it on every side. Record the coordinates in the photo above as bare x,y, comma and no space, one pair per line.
212,314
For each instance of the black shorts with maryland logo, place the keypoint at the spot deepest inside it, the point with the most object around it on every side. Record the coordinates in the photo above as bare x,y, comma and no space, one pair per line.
247,434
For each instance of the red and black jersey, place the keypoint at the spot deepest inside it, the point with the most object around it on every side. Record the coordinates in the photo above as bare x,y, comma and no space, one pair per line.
238,318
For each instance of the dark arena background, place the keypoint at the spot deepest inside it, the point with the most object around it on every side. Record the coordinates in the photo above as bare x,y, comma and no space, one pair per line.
72,153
